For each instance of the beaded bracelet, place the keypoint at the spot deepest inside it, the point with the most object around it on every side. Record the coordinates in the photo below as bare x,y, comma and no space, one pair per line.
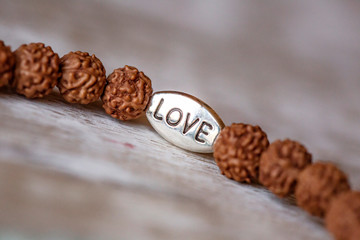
241,151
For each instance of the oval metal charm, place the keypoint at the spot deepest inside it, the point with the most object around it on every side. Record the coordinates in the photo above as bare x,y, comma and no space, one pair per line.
184,120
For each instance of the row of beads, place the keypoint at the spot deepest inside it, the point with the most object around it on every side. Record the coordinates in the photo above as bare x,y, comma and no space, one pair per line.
34,69
242,151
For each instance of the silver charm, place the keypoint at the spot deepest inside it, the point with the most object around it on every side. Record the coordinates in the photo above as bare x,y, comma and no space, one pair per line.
184,120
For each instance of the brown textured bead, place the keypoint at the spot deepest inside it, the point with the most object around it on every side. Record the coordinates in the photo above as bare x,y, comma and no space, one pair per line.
280,165
7,63
237,151
83,77
343,216
127,93
317,185
36,70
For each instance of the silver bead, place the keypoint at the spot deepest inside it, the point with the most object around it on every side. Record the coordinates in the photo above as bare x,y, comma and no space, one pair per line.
184,120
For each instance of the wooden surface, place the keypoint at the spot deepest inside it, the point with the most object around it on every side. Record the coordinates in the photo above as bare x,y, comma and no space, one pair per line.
72,172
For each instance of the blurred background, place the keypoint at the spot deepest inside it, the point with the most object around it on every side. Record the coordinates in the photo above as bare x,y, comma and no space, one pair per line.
293,67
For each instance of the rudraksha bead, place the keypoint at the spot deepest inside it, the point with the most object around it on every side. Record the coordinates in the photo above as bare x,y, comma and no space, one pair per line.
7,63
127,93
237,151
343,216
317,185
36,70
280,165
83,77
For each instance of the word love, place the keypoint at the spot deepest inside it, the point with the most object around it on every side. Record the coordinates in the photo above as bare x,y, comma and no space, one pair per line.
184,120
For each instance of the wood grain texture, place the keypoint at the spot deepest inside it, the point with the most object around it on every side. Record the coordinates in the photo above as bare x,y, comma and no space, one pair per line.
69,171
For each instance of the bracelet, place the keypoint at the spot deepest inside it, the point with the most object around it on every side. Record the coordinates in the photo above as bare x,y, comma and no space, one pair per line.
241,151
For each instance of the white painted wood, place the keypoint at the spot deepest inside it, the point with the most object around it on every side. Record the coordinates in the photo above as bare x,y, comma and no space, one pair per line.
70,171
